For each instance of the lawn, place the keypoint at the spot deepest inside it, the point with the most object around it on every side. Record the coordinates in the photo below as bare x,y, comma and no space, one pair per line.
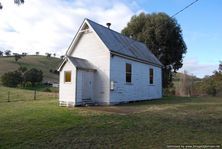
150,124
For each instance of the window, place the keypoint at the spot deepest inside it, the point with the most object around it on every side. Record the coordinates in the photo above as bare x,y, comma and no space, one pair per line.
128,73
151,75
67,76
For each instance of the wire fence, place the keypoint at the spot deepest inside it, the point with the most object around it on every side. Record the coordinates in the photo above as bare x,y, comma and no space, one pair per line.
13,95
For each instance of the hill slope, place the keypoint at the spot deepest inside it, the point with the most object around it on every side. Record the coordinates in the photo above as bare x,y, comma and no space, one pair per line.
39,62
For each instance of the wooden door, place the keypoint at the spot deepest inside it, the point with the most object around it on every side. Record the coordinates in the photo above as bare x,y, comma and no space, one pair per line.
87,85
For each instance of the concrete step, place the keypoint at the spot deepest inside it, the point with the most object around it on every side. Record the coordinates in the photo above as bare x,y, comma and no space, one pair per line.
87,102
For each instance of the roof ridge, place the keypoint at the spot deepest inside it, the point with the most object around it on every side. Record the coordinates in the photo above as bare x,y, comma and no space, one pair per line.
115,31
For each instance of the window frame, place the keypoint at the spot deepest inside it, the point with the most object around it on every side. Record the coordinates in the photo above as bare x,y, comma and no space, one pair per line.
128,73
65,72
151,76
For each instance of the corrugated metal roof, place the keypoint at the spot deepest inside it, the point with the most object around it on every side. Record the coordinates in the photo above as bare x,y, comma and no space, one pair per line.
81,63
121,44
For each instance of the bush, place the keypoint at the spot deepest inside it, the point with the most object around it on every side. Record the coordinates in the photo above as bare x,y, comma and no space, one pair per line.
34,76
211,90
170,91
12,79
47,90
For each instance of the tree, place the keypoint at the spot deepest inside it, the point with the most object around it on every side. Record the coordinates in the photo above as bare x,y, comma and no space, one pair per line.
61,57
7,52
186,84
48,55
11,79
36,53
209,86
18,2
24,54
33,75
22,69
220,66
54,54
17,57
1,53
163,36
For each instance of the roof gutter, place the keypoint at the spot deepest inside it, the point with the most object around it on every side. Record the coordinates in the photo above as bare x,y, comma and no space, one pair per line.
135,59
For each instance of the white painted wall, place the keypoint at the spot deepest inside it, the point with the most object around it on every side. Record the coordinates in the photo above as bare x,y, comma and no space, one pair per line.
90,47
140,89
67,89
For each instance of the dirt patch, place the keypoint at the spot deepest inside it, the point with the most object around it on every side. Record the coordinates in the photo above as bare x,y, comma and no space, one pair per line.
126,110
114,109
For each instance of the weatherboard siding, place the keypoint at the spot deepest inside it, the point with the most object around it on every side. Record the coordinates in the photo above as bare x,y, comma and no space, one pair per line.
91,48
67,89
139,89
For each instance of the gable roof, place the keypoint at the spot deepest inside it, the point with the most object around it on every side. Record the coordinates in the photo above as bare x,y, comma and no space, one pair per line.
78,63
120,44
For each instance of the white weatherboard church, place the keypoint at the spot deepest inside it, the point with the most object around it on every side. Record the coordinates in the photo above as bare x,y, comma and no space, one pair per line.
105,67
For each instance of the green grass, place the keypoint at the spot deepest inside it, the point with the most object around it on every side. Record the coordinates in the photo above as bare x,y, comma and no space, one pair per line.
172,120
38,62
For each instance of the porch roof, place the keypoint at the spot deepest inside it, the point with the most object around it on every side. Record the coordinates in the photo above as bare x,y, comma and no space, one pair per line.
81,63
78,63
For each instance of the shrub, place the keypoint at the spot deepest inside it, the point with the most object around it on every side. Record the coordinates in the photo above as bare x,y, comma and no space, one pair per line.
34,76
12,79
47,90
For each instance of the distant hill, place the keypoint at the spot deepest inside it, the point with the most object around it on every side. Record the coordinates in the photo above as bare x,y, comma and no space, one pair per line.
30,61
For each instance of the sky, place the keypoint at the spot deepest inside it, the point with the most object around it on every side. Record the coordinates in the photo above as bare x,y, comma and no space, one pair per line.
50,25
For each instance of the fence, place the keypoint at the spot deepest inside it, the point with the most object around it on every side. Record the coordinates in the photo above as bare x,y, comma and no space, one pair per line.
12,95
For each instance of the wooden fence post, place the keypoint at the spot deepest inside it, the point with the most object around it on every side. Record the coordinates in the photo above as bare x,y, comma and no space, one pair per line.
35,95
8,96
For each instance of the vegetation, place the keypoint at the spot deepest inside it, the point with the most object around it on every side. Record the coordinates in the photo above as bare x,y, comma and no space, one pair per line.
212,85
163,35
152,124
12,79
39,62
48,55
17,57
22,76
18,2
189,85
34,76
7,52
8,94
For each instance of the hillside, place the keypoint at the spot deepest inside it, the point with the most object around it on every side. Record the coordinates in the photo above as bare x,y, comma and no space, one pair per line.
39,62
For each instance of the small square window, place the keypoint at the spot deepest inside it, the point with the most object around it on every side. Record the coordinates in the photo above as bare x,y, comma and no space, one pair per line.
67,75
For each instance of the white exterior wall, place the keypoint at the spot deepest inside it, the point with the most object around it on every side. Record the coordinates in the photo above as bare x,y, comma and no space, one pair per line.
67,89
140,89
91,48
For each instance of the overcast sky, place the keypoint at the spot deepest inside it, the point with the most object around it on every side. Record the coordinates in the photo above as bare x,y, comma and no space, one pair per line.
50,25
